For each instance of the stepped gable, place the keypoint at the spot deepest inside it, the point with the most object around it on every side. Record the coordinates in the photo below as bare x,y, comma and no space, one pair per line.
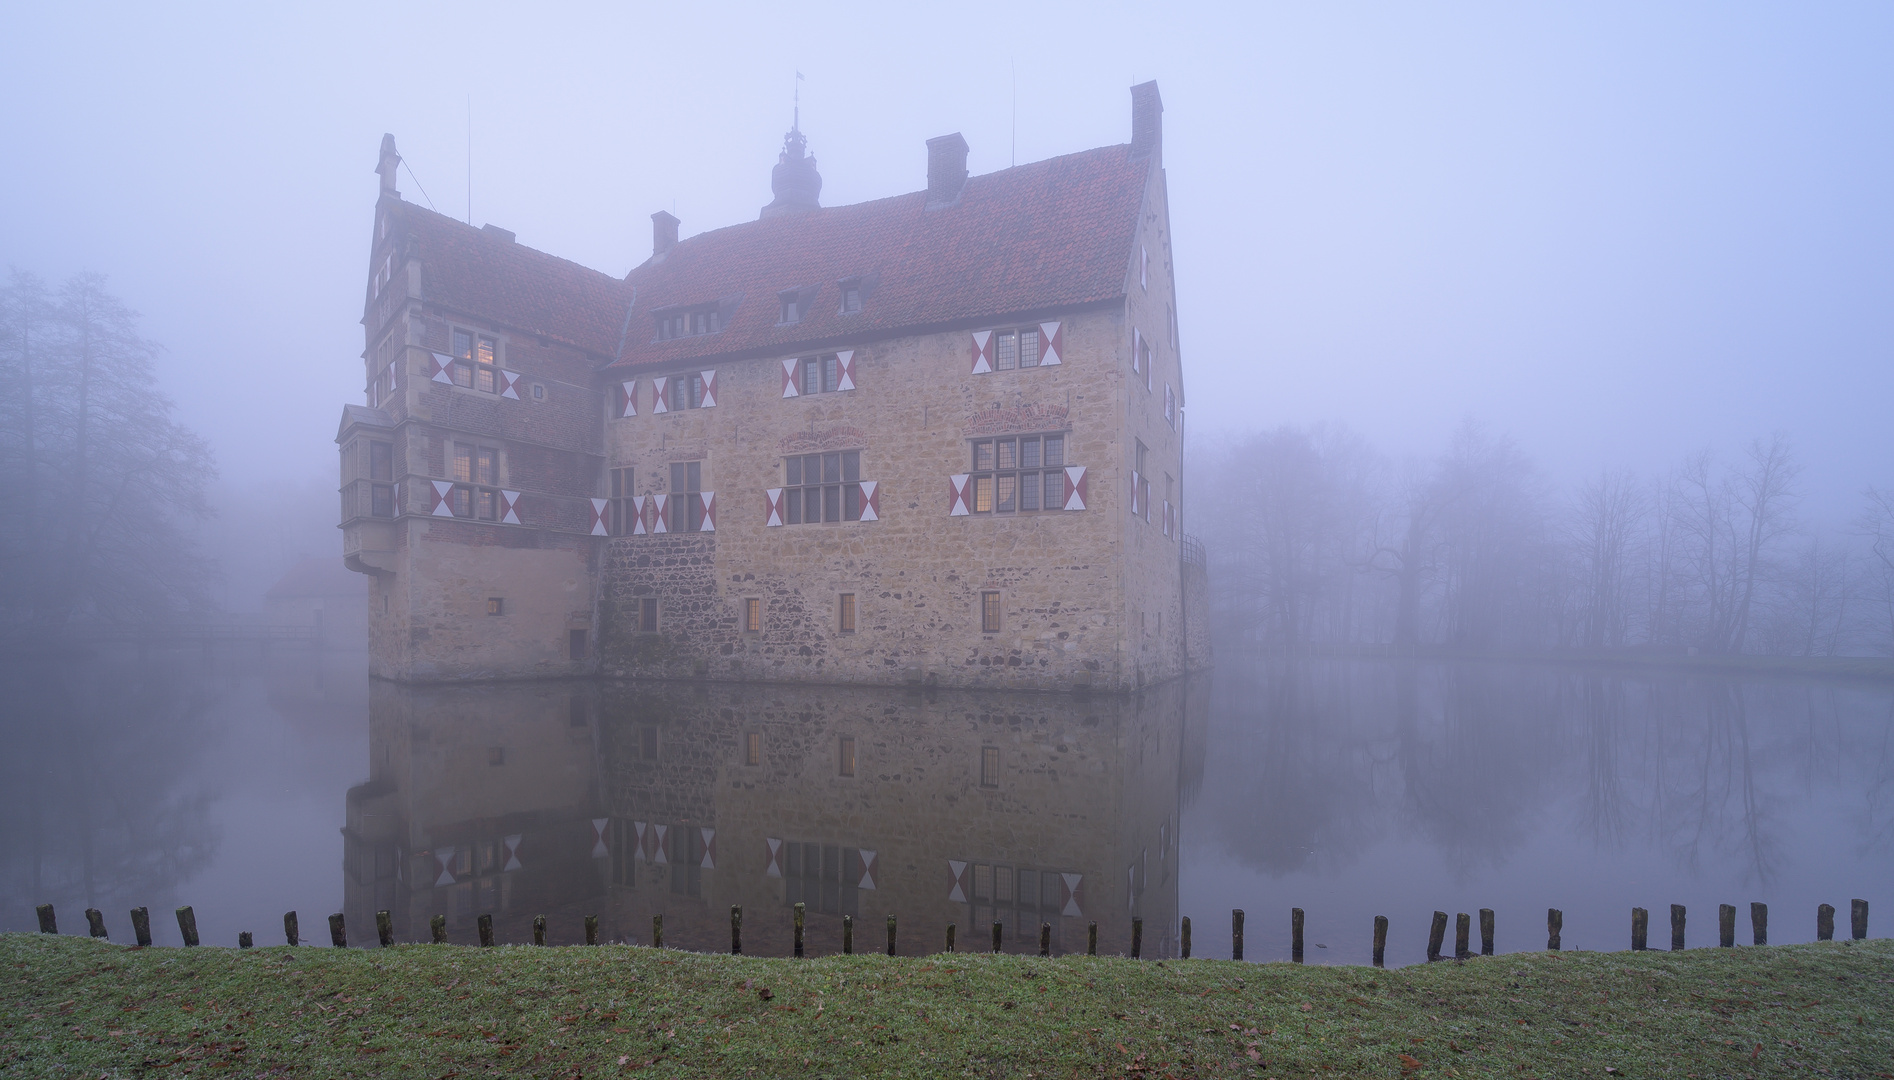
486,275
1051,235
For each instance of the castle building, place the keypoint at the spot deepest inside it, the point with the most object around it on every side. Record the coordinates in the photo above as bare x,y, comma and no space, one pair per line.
935,438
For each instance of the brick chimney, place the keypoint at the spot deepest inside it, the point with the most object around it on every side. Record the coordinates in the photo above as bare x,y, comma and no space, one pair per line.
663,233
946,169
1147,121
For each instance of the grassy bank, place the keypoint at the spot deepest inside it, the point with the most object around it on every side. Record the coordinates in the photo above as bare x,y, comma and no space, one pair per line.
76,1007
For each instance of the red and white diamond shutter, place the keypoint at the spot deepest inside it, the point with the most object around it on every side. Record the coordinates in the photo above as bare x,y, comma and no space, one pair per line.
445,857
871,500
982,351
512,852
628,398
440,501
1051,343
774,854
792,386
869,865
709,524
600,515
599,825
1069,894
641,836
637,515
1075,487
773,507
661,521
710,388
659,834
845,370
509,384
957,881
509,507
710,847
958,507
440,368
660,390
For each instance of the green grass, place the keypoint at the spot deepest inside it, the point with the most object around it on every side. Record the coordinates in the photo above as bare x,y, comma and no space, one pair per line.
72,1007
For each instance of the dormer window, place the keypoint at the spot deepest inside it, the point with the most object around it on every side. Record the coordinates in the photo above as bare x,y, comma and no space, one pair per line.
791,308
851,298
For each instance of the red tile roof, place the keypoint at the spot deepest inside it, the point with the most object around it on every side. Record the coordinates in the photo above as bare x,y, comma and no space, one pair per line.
1035,238
490,278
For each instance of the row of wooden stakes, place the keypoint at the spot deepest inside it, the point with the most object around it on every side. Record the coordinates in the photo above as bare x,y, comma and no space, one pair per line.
1436,937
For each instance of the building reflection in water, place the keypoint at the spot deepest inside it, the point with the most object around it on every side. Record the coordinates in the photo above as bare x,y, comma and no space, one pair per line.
629,800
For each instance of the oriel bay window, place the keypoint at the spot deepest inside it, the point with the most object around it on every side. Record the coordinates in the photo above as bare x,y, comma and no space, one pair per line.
822,487
476,476
1018,473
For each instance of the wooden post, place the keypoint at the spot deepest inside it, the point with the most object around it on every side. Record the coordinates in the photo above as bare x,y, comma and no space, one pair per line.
1676,928
1380,940
437,929
291,935
1640,925
1759,922
1858,920
950,937
244,940
95,922
1137,936
657,930
384,928
798,919
338,933
1486,931
47,924
591,929
1825,923
485,924
1184,937
1462,935
891,951
1236,934
141,926
1726,926
187,926
539,929
736,929
1091,939
1295,935
1045,939
848,936
996,937
1554,927
1435,935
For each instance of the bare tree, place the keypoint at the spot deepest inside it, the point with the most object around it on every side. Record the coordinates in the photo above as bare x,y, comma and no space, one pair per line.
1876,526
1765,491
1607,520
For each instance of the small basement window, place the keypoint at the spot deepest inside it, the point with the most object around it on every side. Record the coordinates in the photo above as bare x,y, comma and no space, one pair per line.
496,605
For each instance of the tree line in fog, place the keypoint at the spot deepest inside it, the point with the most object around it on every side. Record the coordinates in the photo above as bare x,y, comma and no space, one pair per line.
1316,538
100,483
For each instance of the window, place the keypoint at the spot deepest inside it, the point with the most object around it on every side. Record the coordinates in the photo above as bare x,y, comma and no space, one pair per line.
1144,269
990,612
822,487
575,644
1019,472
687,859
851,298
821,374
1169,515
684,392
1170,406
539,391
791,310
648,615
989,766
624,511
753,615
496,605
476,469
474,359
687,502
846,616
648,742
690,322
1144,361
752,748
1016,349
845,750
381,470
1141,491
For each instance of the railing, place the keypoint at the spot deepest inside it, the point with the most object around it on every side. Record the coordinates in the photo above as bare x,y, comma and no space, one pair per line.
1192,553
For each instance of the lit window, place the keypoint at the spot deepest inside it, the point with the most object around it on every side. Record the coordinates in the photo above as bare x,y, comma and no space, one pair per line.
990,612
989,766
847,614
753,615
753,748
845,764
1019,472
496,605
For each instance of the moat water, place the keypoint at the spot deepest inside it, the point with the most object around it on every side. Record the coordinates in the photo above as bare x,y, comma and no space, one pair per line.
248,784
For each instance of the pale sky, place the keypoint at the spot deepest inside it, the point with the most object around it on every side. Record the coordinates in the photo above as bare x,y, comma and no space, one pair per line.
1622,232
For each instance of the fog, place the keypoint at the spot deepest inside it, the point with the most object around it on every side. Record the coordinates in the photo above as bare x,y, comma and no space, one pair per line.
1619,235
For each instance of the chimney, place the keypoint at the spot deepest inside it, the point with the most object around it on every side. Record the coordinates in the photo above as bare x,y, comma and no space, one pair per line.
1147,121
663,233
386,167
946,169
